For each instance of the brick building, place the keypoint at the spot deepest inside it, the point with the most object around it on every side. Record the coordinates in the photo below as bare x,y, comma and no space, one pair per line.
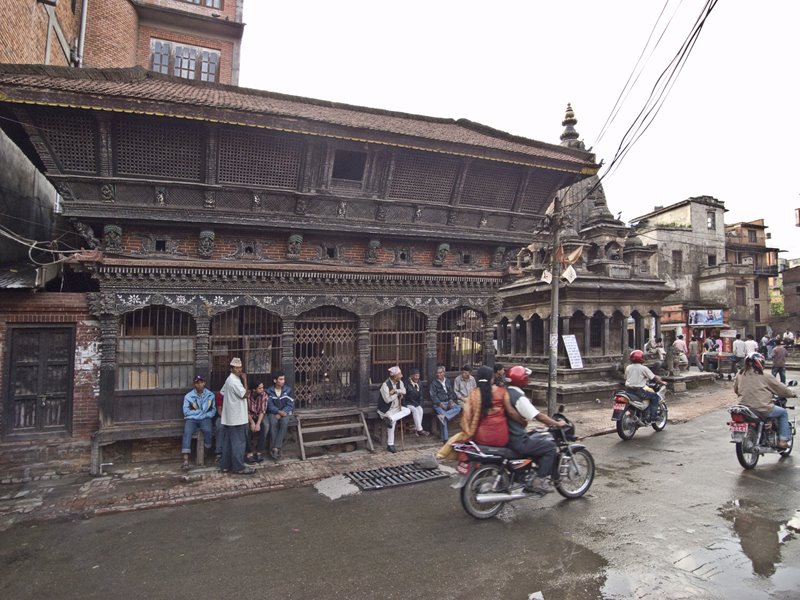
193,39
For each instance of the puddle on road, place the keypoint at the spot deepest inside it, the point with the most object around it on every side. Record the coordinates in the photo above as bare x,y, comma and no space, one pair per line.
746,565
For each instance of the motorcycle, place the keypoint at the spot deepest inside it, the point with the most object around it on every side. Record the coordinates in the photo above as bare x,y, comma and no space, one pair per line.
491,476
754,435
631,412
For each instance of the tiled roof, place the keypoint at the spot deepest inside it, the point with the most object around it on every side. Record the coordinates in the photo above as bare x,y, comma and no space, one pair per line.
180,97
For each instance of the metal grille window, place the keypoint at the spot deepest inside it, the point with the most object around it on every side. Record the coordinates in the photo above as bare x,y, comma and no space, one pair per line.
397,338
459,339
326,358
255,158
156,349
428,178
251,334
159,56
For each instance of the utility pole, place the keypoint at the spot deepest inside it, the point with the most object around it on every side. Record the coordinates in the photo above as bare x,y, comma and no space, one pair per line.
556,272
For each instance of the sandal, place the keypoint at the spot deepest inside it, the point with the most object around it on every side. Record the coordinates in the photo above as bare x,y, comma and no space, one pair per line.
185,465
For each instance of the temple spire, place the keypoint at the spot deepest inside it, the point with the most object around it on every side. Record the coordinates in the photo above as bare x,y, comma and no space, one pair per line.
570,136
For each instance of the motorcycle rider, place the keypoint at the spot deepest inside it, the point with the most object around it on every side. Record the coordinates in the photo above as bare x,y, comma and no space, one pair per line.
539,446
637,376
756,389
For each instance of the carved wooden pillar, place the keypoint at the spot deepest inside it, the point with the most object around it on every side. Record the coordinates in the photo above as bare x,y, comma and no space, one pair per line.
488,344
430,348
287,351
201,358
363,361
105,149
109,330
606,335
638,335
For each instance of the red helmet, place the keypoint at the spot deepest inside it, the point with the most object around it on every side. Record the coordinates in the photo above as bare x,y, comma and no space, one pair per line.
518,375
637,356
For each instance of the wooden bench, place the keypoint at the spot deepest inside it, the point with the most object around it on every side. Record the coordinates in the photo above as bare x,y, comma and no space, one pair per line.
119,433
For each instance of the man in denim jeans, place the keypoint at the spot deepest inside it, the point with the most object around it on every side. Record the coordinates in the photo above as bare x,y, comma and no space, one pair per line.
198,411
443,398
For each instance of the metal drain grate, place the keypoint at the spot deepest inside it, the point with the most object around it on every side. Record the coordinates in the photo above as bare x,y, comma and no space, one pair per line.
376,479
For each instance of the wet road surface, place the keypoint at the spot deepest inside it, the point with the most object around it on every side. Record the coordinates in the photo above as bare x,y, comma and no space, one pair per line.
671,515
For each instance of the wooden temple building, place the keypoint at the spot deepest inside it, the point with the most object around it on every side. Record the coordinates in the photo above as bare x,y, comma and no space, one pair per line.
325,240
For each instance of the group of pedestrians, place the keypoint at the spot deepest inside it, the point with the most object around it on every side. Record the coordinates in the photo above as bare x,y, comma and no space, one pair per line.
248,418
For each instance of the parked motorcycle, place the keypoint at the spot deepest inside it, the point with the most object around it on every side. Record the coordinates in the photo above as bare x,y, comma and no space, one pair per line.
631,412
492,476
754,435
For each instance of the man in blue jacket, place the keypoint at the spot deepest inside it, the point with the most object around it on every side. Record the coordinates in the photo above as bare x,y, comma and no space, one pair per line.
198,410
280,406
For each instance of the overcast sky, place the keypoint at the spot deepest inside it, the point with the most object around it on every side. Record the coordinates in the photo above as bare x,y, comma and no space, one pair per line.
727,129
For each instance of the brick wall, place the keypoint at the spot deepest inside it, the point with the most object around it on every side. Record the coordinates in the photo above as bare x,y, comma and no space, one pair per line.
48,309
111,28
353,250
23,31
228,7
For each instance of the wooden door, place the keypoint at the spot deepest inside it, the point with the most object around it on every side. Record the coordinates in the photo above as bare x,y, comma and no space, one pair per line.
39,390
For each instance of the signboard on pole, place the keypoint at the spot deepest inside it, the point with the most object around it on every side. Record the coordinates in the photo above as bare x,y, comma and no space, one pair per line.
573,352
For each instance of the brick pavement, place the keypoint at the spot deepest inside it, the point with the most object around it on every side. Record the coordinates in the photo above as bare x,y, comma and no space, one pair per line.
153,485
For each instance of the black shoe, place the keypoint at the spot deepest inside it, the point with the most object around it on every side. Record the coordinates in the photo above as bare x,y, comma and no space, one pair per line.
391,449
387,421
250,460
259,458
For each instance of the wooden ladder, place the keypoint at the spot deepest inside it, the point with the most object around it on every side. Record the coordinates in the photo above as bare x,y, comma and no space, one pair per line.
313,422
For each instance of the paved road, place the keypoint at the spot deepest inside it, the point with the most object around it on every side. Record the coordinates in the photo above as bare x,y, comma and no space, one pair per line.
671,515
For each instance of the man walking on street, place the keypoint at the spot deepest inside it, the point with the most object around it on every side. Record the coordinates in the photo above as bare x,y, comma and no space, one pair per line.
739,352
779,361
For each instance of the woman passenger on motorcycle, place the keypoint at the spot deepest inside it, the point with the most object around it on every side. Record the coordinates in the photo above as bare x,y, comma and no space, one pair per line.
484,414
637,376
756,389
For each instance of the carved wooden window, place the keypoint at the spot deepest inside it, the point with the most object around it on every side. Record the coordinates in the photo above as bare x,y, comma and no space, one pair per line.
459,339
423,177
72,138
156,349
326,358
251,334
490,186
168,148
349,165
259,159
397,338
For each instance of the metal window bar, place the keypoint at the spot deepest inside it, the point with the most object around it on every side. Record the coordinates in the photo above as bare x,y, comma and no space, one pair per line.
397,338
156,349
459,339
326,358
251,334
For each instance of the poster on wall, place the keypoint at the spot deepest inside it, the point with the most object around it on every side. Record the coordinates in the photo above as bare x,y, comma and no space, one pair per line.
705,316
573,352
